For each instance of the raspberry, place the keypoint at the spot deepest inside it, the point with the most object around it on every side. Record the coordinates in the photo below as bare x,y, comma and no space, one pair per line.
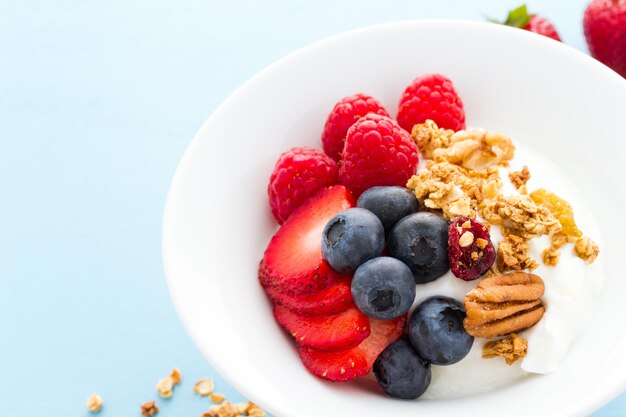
432,97
347,111
470,250
298,174
377,152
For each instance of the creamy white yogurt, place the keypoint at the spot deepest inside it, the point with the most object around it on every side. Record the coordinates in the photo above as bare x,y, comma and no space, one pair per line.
572,288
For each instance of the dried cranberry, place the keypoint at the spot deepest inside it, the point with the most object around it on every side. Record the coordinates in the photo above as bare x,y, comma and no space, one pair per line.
470,249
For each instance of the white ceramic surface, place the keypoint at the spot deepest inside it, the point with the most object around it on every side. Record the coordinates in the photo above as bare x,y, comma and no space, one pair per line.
217,222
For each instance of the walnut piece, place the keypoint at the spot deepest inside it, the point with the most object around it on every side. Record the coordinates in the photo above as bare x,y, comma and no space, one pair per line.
476,149
166,385
520,215
503,304
204,387
94,403
149,409
519,178
586,249
513,255
511,348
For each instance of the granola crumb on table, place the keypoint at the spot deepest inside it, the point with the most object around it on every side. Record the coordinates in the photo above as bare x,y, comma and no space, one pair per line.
94,403
204,387
511,348
149,409
166,385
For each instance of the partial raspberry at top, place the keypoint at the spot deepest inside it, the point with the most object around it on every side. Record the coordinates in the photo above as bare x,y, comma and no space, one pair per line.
542,26
347,111
433,97
377,152
298,174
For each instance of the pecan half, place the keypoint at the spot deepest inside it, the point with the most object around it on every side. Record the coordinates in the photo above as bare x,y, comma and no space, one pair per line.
503,304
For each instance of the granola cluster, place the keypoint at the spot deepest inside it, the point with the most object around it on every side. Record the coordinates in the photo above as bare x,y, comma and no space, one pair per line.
462,178
511,348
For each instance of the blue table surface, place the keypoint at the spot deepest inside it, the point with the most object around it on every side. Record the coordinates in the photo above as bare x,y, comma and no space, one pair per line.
98,101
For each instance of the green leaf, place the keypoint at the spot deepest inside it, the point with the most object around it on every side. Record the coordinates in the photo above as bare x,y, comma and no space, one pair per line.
518,17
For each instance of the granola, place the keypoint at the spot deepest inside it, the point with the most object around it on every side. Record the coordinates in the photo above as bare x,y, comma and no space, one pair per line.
520,178
94,403
204,387
513,255
511,348
148,409
166,385
586,249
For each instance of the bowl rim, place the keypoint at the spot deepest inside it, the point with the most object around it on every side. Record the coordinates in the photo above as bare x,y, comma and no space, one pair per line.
590,404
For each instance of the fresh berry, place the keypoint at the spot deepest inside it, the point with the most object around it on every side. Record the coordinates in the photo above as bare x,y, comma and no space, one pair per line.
377,152
436,331
383,288
389,204
470,250
351,238
293,259
605,29
420,240
350,364
347,111
400,372
331,333
433,97
520,18
327,302
298,174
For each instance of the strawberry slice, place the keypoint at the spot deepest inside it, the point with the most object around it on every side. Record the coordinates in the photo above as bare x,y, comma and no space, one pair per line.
329,301
293,259
331,333
352,363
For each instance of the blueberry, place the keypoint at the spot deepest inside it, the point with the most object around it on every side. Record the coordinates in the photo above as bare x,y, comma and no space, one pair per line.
436,331
389,204
351,238
400,371
420,240
383,288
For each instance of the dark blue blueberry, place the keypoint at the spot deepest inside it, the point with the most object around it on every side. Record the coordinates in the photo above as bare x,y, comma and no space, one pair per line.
383,288
351,238
436,331
400,371
389,204
420,240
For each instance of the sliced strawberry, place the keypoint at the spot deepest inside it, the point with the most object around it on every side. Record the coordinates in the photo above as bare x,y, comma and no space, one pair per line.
352,363
330,333
329,301
293,259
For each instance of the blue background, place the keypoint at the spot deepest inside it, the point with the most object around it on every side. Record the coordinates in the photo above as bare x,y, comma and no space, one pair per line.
98,100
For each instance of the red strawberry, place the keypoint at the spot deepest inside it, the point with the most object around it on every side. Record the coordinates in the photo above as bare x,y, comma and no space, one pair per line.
605,29
331,333
332,300
520,18
377,152
347,111
433,97
350,364
298,174
293,259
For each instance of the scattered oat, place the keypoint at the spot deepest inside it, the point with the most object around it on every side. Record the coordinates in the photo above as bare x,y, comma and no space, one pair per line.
94,403
166,385
586,249
558,240
519,178
204,387
513,255
216,398
512,348
149,409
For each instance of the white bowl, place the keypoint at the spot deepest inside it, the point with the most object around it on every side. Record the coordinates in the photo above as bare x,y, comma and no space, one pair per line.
217,221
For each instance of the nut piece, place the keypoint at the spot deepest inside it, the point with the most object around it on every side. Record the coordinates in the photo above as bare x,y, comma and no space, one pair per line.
513,255
586,249
94,403
503,304
511,348
476,149
216,398
519,178
166,385
149,409
466,239
204,387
